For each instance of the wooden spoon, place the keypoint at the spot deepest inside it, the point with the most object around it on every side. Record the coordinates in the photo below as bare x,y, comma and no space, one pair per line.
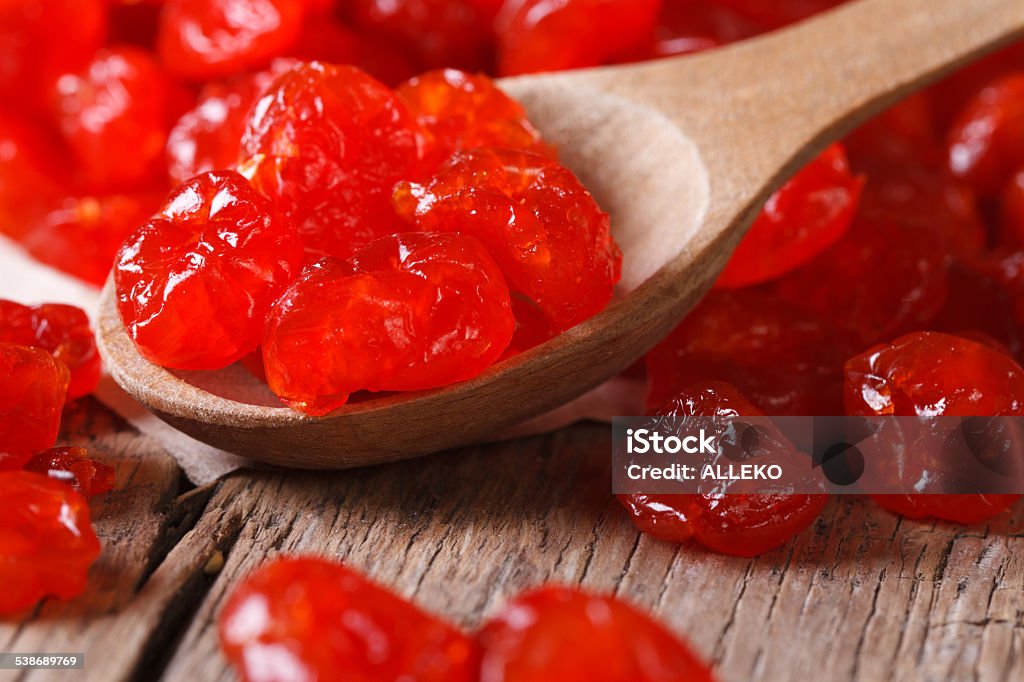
682,152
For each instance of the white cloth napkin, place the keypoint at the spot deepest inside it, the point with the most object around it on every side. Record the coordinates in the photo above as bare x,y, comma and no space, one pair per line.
24,280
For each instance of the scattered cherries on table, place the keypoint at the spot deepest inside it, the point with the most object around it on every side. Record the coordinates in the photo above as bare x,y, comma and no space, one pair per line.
304,177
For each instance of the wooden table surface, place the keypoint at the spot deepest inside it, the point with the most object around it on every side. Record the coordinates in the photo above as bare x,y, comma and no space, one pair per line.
860,596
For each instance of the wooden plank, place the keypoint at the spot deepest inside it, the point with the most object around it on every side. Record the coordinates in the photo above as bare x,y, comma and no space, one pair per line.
860,596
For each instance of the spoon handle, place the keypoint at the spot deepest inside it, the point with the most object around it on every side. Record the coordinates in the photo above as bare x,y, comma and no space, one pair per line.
758,110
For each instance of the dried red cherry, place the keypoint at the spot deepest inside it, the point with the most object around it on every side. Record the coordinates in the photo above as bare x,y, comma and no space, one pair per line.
458,111
195,283
547,35
785,360
551,239
204,39
803,218
35,386
559,633
327,144
725,518
209,136
306,618
932,374
408,312
986,142
46,542
32,174
82,233
115,116
74,467
63,330
40,40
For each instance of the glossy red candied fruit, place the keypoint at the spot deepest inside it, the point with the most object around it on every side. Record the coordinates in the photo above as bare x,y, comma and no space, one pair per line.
74,467
194,284
209,136
985,144
46,542
206,39
64,331
33,174
553,35
882,278
327,144
803,218
725,519
408,312
41,39
932,374
551,239
35,386
564,634
459,111
80,234
115,115
785,360
312,619
1011,226
439,33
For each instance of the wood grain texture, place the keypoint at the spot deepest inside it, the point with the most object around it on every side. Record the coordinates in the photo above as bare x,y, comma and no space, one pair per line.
682,152
860,596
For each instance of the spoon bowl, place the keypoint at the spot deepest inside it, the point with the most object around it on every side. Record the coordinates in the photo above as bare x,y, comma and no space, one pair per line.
681,152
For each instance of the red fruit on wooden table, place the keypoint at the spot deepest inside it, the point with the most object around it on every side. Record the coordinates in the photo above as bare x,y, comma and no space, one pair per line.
438,33
327,144
206,39
551,239
985,144
312,619
930,374
460,111
209,136
33,174
882,278
46,542
40,40
35,385
194,284
408,312
726,518
803,218
784,360
115,115
553,35
64,331
74,467
559,633
80,234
